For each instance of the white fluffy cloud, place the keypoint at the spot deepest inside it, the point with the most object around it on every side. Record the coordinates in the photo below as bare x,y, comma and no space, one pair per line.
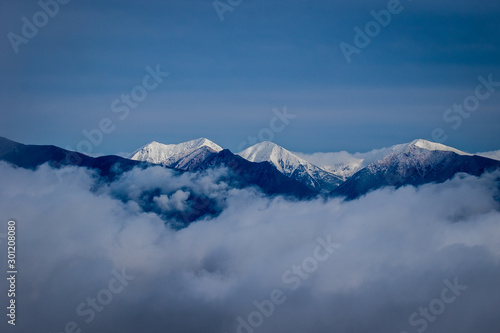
396,249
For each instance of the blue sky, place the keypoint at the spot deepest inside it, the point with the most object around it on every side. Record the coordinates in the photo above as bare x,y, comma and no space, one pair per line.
226,77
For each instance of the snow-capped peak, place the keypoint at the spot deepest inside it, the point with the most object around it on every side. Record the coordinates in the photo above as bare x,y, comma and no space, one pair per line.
291,165
424,144
419,154
282,159
160,153
344,164
379,154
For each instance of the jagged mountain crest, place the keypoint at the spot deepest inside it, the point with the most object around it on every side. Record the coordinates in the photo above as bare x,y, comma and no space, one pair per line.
170,154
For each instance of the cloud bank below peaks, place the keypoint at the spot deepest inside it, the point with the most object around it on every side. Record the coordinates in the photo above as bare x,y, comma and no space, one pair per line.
397,249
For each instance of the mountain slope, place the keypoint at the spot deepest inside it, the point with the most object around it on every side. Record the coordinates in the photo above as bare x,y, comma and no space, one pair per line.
415,163
192,160
243,173
291,166
32,156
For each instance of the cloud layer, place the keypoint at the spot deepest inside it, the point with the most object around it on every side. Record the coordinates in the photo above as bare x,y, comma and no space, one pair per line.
397,249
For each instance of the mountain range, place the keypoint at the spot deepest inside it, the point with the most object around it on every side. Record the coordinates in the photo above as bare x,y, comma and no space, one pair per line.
414,163
275,170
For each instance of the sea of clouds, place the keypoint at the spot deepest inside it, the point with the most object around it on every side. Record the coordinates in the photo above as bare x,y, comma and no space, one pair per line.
395,252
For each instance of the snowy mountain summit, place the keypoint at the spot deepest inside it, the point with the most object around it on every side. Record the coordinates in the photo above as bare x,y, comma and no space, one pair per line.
291,165
415,163
427,145
344,164
420,154
169,155
285,161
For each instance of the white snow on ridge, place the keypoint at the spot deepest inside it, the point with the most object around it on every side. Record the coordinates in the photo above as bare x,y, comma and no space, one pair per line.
379,154
282,159
344,164
290,165
160,153
285,161
436,146
495,155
